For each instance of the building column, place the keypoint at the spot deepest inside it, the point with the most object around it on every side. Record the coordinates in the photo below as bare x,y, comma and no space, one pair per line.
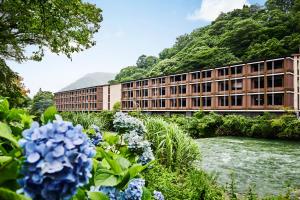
296,82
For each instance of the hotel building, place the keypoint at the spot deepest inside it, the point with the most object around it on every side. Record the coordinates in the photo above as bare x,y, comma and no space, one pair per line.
267,85
94,98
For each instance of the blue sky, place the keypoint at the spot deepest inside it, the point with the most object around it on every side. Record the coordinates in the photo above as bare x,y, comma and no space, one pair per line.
130,28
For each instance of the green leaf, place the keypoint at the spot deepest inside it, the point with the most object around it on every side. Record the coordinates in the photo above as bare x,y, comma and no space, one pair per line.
115,166
6,194
146,194
9,172
136,169
124,163
80,195
105,179
4,159
111,138
4,106
97,196
49,115
5,132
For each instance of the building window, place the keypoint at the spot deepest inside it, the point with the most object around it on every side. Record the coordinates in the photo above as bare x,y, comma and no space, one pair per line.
206,101
237,100
154,92
223,101
182,89
257,67
237,84
237,70
206,87
154,103
162,91
223,72
173,90
196,102
223,85
145,92
153,81
162,80
145,103
275,81
172,79
196,75
173,103
182,102
206,74
196,88
275,99
162,103
257,83
277,64
257,100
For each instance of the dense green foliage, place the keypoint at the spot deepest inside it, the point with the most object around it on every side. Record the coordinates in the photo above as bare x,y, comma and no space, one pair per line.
11,86
102,119
253,32
266,126
41,101
172,147
56,25
190,184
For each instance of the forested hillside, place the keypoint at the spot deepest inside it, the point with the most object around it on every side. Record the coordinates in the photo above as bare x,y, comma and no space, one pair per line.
254,32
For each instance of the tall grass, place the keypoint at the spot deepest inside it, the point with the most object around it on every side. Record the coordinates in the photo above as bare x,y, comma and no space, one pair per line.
103,119
172,147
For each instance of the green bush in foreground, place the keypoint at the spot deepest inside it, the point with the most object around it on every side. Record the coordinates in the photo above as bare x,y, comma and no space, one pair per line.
172,147
190,184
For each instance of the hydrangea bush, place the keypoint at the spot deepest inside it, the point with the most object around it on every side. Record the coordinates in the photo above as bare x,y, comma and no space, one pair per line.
134,131
124,123
58,160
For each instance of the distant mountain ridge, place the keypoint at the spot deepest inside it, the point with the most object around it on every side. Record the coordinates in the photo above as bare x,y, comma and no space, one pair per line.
89,80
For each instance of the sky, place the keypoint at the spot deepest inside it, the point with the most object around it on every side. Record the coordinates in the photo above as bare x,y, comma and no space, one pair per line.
129,29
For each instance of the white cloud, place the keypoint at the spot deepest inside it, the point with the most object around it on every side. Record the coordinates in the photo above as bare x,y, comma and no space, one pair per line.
210,9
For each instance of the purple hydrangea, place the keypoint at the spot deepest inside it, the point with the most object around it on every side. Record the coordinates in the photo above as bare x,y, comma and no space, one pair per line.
158,195
134,191
58,160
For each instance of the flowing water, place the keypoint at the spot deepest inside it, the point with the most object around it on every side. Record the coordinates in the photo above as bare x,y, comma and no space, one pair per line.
267,165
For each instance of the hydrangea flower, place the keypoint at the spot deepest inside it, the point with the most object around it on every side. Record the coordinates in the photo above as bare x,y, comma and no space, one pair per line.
124,123
147,156
134,191
158,195
58,160
112,192
96,138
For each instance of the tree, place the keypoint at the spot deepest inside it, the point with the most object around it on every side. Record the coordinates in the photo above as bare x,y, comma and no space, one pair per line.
145,62
41,101
63,26
11,86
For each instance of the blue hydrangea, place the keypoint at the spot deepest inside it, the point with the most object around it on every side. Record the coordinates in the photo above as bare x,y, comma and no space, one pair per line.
111,192
97,137
58,160
134,191
147,156
124,123
158,195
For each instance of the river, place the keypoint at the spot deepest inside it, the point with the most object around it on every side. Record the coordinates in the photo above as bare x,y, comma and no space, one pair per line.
268,165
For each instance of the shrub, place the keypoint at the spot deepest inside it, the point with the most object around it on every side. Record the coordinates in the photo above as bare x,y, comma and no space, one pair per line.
209,124
191,184
234,125
172,147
